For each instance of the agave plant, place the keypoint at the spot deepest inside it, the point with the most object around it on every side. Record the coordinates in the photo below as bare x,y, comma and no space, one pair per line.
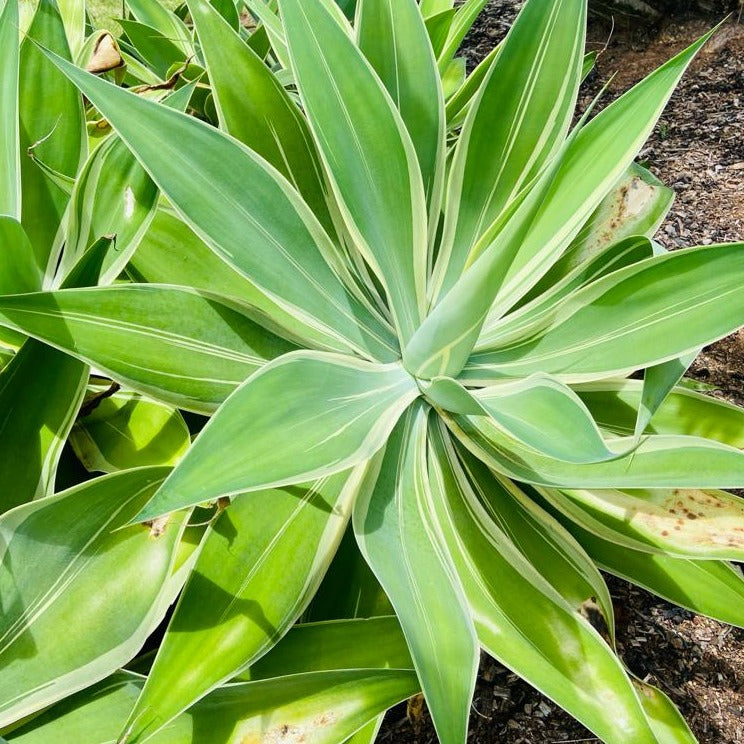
411,314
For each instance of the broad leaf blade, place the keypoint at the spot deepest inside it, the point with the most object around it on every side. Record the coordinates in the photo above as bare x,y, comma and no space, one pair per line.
685,523
311,415
65,557
40,393
680,302
401,544
548,416
126,430
266,119
51,120
522,621
518,120
657,462
265,232
367,152
257,569
10,163
326,707
393,37
177,345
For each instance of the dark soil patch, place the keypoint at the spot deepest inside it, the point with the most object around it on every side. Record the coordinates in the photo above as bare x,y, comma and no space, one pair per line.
697,148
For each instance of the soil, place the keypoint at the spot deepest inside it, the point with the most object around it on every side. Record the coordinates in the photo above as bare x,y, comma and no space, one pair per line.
698,149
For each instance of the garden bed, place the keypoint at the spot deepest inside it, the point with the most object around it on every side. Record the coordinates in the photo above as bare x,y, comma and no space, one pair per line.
698,149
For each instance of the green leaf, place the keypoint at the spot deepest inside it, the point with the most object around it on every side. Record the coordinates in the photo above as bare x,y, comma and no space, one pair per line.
548,416
65,556
539,411
113,195
663,715
394,39
614,405
171,253
376,643
536,312
712,588
178,345
400,542
636,205
311,414
521,619
534,78
519,250
267,120
463,19
433,7
644,314
271,24
369,156
126,430
657,462
40,393
73,19
168,24
19,272
544,542
158,52
265,232
658,382
257,569
51,120
10,163
438,27
684,523
322,707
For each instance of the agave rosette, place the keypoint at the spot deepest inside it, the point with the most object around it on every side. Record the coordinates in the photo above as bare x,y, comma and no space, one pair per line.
410,304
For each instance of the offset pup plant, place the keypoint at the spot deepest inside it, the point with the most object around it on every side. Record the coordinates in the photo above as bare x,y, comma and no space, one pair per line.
412,320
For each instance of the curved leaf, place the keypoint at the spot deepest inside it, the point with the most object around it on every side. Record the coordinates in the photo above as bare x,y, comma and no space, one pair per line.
657,462
395,533
521,620
65,556
311,415
258,567
614,405
367,152
126,430
10,150
177,345
266,232
644,314
52,121
322,707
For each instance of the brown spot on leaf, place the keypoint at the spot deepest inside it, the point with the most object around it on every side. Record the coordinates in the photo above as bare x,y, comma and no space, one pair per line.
157,526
